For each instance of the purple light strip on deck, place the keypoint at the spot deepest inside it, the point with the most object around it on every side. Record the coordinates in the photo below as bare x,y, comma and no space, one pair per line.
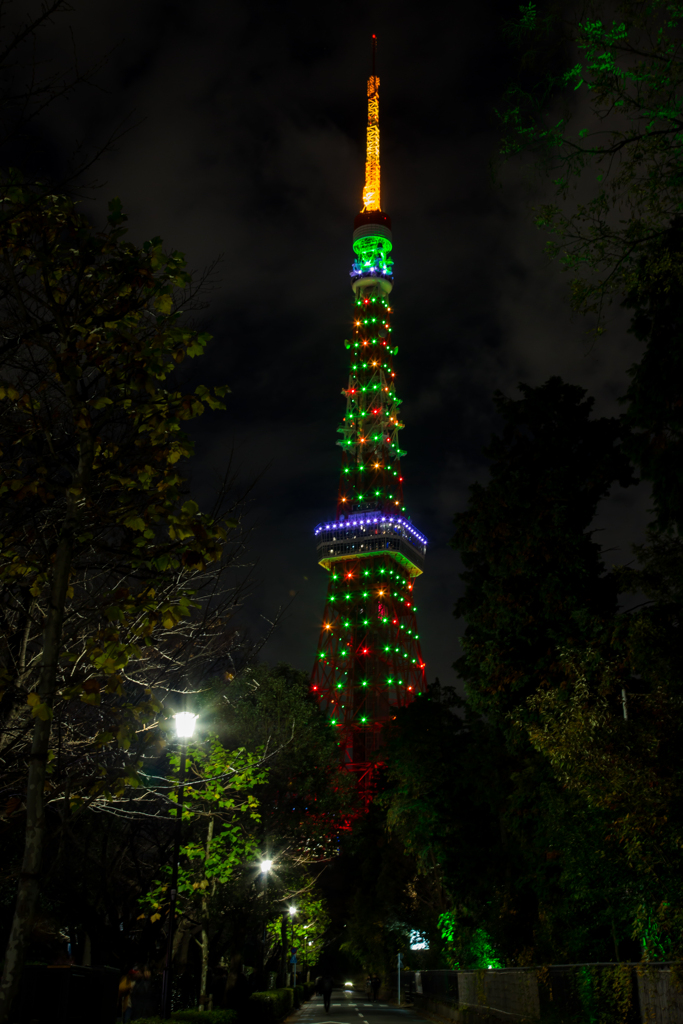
371,517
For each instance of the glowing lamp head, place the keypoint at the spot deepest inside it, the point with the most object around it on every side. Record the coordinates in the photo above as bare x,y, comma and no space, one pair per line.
265,866
184,724
292,911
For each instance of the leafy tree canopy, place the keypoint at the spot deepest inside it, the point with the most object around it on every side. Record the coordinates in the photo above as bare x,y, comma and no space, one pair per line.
532,567
598,100
105,578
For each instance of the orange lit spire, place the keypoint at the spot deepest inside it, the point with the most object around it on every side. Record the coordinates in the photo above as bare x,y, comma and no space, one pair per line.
371,197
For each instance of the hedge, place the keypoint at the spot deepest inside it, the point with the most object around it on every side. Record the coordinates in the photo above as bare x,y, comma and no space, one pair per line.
303,992
270,1006
263,1007
194,1017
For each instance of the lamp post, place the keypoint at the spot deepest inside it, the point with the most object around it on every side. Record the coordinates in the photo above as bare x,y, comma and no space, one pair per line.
284,974
184,724
292,912
265,867
306,966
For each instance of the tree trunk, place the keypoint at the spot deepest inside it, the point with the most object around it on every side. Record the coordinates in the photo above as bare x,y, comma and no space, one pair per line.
205,934
205,968
28,889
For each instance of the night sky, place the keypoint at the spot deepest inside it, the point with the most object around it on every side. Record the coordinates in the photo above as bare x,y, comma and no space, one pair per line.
247,142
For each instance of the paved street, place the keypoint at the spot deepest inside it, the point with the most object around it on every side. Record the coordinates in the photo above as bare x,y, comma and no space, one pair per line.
351,1006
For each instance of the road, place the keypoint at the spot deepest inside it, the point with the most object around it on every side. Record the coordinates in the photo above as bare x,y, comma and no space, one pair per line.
351,1006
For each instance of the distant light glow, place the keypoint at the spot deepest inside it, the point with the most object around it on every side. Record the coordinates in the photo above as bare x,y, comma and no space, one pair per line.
266,865
418,941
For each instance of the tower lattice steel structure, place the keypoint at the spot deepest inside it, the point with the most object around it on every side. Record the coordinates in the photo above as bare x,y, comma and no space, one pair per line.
368,660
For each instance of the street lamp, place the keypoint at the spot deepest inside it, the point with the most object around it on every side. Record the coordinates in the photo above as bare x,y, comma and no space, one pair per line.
184,724
292,912
284,973
306,954
264,867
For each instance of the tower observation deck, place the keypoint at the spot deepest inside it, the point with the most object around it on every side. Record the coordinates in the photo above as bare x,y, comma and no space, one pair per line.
368,661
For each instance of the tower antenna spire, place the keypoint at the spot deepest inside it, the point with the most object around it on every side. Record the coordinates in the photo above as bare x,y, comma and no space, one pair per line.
371,192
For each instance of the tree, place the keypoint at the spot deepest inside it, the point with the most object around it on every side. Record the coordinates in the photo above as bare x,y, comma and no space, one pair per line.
532,568
612,733
653,413
445,784
30,80
104,569
305,929
220,813
626,241
271,709
377,878
535,584
261,720
624,66
302,799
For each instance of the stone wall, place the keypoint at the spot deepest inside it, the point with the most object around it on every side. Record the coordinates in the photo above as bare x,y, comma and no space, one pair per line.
504,993
661,999
571,994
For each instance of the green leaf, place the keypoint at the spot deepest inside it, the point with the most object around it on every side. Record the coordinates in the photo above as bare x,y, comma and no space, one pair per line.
135,523
164,303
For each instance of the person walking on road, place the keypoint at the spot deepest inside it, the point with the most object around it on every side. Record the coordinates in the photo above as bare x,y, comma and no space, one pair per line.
126,986
145,1002
375,982
326,989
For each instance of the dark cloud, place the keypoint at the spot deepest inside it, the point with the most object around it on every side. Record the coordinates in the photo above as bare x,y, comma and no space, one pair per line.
251,146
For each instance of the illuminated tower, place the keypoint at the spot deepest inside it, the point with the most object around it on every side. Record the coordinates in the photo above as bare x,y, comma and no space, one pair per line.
368,660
